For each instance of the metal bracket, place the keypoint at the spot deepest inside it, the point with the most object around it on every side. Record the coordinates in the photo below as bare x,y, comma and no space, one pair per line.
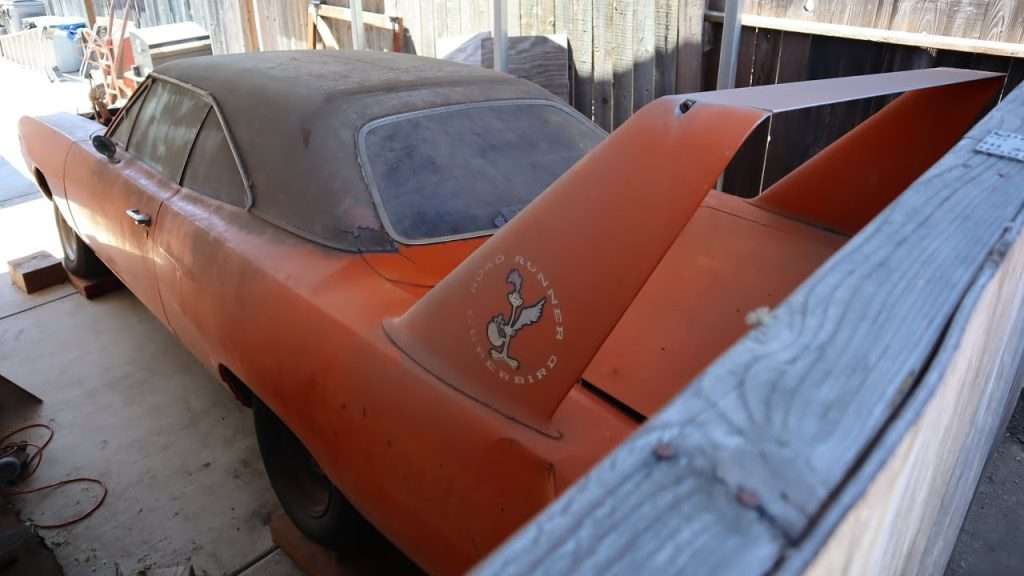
1003,144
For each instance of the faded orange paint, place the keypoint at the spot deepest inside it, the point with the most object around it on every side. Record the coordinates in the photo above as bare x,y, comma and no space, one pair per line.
443,454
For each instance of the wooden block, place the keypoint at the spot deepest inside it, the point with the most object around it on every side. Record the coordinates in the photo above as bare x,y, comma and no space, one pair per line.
368,553
36,272
91,288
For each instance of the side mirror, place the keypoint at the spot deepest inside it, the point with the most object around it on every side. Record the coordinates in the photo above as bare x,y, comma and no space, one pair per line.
104,146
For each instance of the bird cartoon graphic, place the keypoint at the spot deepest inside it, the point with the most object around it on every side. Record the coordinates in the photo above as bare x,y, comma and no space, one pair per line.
500,332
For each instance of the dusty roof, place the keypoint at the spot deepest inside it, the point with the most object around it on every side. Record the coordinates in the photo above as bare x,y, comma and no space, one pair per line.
295,117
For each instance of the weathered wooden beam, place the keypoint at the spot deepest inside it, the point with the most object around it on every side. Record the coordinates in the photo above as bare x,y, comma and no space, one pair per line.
903,38
311,18
761,457
326,36
250,32
369,18
925,487
690,46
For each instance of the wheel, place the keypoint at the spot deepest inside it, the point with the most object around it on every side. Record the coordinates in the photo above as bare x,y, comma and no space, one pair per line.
315,506
79,259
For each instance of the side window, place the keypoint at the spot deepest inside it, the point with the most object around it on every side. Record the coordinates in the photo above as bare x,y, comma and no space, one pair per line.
211,169
123,129
166,126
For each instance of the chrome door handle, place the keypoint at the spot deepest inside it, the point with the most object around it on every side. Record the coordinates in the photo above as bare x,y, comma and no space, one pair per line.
140,218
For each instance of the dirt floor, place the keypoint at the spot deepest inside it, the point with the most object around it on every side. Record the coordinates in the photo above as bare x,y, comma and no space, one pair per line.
991,541
128,404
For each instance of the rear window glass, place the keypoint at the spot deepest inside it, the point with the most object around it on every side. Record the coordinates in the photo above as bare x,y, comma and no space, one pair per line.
465,170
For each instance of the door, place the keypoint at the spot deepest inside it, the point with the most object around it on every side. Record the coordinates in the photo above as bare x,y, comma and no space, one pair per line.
117,204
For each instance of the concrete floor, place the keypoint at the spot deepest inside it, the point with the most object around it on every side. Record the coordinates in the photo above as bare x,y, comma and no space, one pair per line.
129,405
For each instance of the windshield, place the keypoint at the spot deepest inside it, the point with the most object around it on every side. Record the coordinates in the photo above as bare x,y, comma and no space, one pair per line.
465,170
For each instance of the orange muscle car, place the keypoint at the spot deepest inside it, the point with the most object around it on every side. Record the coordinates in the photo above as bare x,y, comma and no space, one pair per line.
357,245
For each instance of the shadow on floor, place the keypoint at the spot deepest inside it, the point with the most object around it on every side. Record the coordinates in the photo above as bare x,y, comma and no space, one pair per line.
991,541
14,187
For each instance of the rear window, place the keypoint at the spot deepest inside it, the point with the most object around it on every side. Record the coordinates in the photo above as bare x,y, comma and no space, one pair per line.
465,170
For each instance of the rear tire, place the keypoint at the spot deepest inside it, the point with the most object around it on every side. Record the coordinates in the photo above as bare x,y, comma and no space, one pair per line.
79,259
314,505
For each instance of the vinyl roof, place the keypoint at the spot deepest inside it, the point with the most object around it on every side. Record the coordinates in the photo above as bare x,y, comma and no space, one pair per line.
295,117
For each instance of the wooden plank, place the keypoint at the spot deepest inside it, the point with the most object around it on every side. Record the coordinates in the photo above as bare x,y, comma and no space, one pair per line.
440,23
514,23
250,32
326,36
581,46
546,16
427,32
454,10
906,38
666,22
941,457
36,272
644,41
369,18
92,288
467,13
283,24
766,450
410,12
623,12
690,50
529,13
563,16
603,64
311,19
483,19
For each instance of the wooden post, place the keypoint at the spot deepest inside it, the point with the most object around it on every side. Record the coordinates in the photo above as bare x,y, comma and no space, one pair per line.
730,50
358,34
250,32
311,17
90,12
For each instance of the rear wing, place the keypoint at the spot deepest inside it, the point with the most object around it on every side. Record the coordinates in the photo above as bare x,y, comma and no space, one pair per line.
847,433
516,323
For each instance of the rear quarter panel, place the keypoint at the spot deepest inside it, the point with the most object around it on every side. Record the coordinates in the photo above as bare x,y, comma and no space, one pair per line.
443,476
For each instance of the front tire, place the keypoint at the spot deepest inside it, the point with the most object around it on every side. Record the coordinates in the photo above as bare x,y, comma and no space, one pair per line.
314,505
79,259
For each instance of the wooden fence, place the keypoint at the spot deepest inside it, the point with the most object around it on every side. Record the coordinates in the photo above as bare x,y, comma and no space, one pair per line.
226,20
30,48
625,53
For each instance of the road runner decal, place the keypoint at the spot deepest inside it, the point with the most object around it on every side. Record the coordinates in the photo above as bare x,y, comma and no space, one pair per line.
492,334
501,332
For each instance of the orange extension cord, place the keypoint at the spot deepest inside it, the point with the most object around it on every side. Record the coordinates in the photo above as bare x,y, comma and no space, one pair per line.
33,462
